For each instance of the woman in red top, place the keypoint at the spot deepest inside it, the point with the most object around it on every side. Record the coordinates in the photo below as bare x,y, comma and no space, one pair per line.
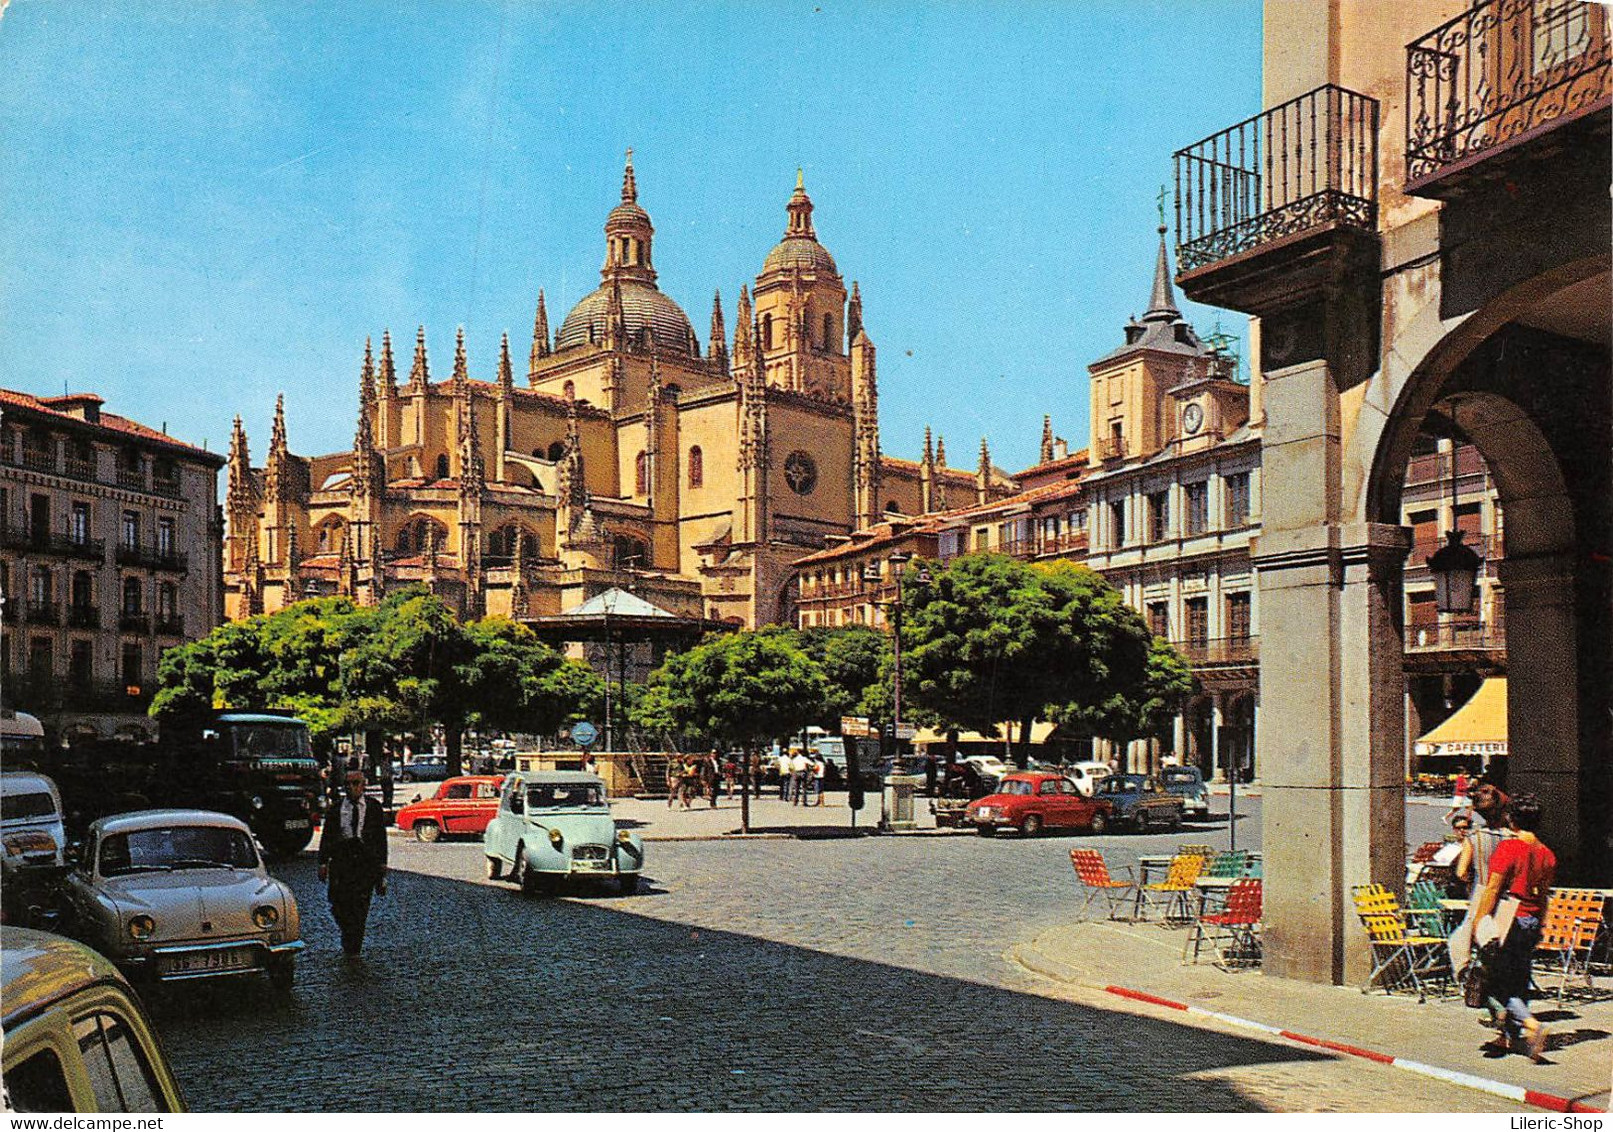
1521,866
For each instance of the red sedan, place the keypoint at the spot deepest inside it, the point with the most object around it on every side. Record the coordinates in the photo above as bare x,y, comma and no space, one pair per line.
1031,801
461,805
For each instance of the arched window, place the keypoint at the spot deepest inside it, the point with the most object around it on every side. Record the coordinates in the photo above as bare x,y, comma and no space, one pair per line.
767,332
413,535
697,467
442,467
641,473
557,452
131,596
630,553
167,602
828,331
330,536
83,589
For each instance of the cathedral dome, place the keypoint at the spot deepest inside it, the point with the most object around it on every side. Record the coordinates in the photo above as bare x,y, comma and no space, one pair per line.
800,250
644,308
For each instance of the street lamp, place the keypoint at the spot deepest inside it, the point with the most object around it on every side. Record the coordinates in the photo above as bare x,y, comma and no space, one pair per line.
1455,567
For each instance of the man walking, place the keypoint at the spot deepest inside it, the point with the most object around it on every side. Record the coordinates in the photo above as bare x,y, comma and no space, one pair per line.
352,859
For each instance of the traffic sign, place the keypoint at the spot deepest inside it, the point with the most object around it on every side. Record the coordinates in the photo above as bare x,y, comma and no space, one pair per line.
907,731
856,725
584,733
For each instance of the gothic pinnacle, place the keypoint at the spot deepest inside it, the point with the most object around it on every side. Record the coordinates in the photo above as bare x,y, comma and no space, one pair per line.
540,337
420,372
985,458
941,452
854,313
461,371
366,376
929,446
719,333
506,377
388,373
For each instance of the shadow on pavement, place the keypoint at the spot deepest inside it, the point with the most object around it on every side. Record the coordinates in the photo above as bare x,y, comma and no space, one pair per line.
471,997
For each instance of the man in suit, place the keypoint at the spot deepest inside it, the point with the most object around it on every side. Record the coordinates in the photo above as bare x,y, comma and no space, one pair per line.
352,859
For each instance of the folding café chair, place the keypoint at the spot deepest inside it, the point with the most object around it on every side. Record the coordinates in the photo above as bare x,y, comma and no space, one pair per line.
1236,928
1400,957
1195,850
1423,909
1568,935
1173,890
1093,873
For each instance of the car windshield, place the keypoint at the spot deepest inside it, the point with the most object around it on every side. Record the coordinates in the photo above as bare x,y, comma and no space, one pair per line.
552,795
1015,786
180,847
271,741
15,807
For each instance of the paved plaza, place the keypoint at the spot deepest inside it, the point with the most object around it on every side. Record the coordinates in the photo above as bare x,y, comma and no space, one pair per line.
777,973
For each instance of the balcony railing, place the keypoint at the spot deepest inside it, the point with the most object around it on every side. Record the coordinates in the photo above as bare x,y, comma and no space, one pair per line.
132,622
1112,447
1075,543
79,469
134,478
44,542
83,617
44,613
1457,635
152,558
172,625
165,486
1306,164
1486,546
1498,72
37,461
1221,650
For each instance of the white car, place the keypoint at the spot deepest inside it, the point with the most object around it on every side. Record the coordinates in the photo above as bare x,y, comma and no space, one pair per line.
1087,775
989,767
182,894
34,842
554,826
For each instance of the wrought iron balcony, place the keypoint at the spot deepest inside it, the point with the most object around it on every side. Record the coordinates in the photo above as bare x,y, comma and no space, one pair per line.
1221,651
1305,168
133,621
134,478
79,469
44,542
38,460
153,558
83,616
1112,447
1500,74
1484,635
44,613
171,625
166,486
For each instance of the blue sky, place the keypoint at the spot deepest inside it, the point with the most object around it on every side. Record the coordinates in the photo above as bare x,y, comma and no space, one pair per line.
205,204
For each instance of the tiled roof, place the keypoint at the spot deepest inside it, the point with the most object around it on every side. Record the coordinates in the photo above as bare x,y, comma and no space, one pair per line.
109,422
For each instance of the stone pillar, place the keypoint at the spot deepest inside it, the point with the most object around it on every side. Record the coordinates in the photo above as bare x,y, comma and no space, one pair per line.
1331,742
1542,682
1179,739
1215,734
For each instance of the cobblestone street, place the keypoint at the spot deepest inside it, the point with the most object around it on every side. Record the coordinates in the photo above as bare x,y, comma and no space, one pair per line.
867,973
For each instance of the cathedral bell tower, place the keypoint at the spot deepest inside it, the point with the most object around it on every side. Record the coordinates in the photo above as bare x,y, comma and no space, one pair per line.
801,310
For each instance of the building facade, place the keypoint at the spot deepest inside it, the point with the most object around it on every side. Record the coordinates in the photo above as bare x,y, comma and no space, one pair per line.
109,553
628,455
1426,251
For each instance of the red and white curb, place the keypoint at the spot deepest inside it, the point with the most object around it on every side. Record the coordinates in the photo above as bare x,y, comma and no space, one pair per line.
1467,1080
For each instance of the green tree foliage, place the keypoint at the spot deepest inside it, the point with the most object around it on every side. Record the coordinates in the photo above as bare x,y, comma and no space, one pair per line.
740,689
855,660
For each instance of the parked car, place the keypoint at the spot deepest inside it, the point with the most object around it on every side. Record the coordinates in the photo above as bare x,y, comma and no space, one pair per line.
76,1038
1031,801
555,825
989,767
1187,783
1087,775
1140,802
34,838
181,894
424,768
461,805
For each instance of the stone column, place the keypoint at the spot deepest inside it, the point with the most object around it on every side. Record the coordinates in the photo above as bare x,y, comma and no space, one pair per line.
1542,690
1331,742
1215,734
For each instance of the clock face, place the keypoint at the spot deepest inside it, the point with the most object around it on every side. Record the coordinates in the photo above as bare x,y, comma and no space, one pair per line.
1192,418
800,472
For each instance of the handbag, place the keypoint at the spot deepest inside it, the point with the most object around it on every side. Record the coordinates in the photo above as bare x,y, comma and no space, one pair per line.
1475,988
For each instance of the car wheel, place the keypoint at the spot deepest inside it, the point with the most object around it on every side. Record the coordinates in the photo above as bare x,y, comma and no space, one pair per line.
1100,823
1030,825
986,830
524,875
282,972
427,831
627,884
495,868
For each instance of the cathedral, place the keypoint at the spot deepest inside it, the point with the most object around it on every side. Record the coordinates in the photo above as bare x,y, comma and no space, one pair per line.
628,457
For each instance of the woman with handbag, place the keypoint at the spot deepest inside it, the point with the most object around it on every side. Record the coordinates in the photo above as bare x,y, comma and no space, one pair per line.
1522,870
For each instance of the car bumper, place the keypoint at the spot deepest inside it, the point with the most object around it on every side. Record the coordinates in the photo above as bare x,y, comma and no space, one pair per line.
181,962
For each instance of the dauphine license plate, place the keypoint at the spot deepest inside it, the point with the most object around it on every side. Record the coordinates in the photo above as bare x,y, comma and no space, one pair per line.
197,962
296,823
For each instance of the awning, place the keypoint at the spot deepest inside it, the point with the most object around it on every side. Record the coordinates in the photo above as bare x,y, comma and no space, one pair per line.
1478,727
1007,733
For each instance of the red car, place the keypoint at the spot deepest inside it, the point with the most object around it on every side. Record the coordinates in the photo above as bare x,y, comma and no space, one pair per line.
461,805
1031,801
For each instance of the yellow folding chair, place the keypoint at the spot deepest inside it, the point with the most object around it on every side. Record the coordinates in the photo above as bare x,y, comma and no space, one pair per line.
1173,890
1568,934
1400,957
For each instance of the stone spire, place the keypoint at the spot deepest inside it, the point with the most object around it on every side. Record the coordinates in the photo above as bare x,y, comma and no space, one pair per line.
927,474
275,467
800,210
854,313
540,339
1162,304
387,378
742,328
366,378
240,497
939,491
506,376
867,466
719,336
472,473
420,372
753,443
983,474
461,369
346,567
629,182
1047,439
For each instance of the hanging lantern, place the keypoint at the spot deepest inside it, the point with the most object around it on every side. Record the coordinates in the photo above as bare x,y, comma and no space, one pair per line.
1455,568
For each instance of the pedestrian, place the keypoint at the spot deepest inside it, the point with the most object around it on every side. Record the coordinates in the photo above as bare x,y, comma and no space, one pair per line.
799,769
385,774
713,775
352,859
820,770
755,763
1522,870
781,764
674,771
1459,798
1473,863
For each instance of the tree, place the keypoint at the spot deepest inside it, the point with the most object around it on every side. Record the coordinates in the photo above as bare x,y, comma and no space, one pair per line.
738,689
855,660
512,681
1146,710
